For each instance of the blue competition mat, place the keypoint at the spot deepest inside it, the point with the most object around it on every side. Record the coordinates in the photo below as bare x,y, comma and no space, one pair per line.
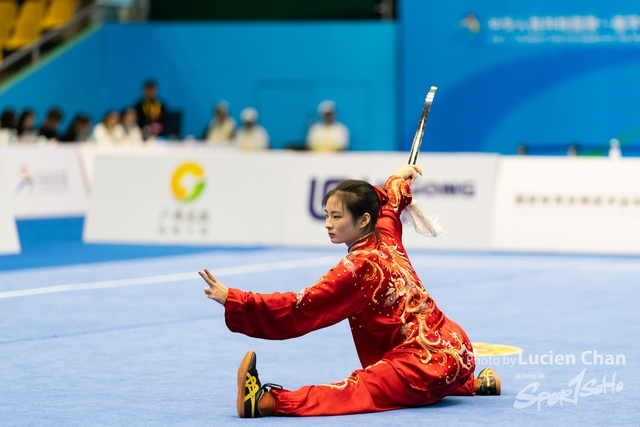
136,342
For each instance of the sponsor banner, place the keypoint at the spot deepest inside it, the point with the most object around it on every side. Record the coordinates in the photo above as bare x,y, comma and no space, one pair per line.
567,205
457,188
9,242
43,181
188,196
193,196
88,152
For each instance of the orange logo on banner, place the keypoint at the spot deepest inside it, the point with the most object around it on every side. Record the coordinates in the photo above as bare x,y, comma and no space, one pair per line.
179,191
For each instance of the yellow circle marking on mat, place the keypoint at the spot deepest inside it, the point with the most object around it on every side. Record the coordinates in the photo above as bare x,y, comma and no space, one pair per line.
482,349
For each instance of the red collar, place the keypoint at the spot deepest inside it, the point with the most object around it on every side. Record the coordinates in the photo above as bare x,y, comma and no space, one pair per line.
366,240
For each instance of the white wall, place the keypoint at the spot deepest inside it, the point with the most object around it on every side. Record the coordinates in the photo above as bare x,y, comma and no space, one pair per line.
9,243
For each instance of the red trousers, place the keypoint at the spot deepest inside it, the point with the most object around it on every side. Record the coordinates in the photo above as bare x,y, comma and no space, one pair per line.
374,389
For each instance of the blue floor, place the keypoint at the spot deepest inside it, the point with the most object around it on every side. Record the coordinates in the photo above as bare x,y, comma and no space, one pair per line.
109,350
49,242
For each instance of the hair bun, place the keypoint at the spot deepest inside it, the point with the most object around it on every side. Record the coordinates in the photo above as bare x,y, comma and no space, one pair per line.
382,195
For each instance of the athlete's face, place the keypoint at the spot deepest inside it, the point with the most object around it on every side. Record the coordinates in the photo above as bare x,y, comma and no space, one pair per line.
340,224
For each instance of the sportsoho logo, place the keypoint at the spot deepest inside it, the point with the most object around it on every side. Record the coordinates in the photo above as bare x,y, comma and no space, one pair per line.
187,182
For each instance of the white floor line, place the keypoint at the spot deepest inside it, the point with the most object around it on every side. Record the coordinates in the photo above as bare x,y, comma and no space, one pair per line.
166,278
431,262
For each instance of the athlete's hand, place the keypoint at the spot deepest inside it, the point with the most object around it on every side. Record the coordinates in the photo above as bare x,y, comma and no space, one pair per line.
216,290
409,172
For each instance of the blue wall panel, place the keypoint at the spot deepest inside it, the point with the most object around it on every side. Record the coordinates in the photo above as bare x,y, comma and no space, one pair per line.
553,71
71,80
284,70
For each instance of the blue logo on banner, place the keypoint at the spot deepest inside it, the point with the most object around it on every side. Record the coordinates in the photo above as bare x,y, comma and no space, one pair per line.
315,206
430,189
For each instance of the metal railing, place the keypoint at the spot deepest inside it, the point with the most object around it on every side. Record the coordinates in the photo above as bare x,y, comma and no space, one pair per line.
95,13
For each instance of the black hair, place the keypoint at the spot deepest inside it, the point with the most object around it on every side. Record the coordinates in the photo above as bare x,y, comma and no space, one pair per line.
72,134
358,197
54,114
23,118
8,119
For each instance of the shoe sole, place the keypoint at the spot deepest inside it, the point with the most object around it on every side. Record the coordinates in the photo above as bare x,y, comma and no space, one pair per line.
242,379
497,380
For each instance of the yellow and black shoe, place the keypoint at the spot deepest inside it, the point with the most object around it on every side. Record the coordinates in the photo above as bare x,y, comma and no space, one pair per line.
251,392
489,383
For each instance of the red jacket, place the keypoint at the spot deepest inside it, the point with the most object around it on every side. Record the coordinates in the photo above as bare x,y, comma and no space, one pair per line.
391,315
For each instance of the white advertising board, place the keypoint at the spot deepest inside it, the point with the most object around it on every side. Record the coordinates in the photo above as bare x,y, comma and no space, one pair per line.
9,242
186,197
88,152
457,188
272,198
43,181
568,205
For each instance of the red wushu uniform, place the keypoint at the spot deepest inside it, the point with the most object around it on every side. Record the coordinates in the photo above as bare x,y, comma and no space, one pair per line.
412,354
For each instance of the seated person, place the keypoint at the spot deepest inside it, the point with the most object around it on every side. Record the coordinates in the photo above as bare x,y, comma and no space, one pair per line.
222,126
131,131
251,136
8,125
328,135
108,131
79,130
49,128
26,128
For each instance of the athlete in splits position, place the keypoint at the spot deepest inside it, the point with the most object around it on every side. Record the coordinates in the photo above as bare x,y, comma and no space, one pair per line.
411,353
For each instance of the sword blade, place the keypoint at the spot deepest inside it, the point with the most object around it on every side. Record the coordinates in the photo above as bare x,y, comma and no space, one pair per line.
417,139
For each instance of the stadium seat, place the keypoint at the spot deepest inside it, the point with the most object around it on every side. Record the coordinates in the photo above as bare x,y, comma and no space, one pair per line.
8,12
28,25
58,13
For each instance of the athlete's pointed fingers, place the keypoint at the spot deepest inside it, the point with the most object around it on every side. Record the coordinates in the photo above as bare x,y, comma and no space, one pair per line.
206,278
210,275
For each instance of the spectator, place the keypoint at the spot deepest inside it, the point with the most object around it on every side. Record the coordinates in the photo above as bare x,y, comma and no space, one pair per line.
328,135
8,125
150,111
26,128
222,126
131,131
49,128
79,130
614,149
108,131
251,136
8,120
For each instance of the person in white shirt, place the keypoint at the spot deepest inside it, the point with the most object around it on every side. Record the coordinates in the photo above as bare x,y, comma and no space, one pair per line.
251,136
222,126
131,132
328,135
26,128
614,149
109,131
